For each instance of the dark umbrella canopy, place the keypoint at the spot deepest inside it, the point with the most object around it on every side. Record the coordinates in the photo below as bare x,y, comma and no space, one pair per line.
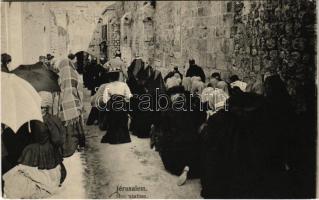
39,77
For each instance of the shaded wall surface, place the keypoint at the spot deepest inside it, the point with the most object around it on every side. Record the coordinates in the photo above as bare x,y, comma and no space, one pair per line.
247,38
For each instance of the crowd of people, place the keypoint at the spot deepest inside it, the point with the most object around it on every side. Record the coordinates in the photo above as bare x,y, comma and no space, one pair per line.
32,157
241,139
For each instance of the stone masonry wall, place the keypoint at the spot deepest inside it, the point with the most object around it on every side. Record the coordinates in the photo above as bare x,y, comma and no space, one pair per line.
247,38
276,36
194,29
179,30
31,29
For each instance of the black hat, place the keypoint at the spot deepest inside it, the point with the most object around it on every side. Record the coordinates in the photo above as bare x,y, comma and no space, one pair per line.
49,56
234,78
71,56
41,57
118,53
5,58
216,75
191,61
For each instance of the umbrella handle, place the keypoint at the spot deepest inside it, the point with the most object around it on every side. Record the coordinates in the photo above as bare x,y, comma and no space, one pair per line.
53,97
29,126
58,104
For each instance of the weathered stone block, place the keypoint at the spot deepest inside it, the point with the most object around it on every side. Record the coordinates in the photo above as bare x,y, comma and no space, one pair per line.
216,8
229,7
203,45
228,19
204,11
220,31
211,61
221,62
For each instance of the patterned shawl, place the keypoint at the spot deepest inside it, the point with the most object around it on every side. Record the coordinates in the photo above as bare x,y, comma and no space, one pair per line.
70,106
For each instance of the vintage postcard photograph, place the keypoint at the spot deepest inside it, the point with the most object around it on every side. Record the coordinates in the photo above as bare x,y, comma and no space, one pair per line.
159,99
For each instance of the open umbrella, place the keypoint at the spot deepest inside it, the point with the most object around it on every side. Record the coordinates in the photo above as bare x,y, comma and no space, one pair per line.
40,78
20,102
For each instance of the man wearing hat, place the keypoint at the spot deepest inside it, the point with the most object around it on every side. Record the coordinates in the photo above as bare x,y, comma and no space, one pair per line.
5,62
42,62
94,70
49,60
117,62
49,57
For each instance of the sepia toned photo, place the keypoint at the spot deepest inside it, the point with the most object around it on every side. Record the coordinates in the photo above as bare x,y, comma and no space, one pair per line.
159,99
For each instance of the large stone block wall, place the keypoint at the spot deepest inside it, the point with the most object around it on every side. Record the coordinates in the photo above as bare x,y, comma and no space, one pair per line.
179,30
136,30
247,38
276,36
194,29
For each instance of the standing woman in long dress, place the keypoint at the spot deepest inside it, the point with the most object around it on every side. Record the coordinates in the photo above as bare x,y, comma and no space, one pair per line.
116,95
71,105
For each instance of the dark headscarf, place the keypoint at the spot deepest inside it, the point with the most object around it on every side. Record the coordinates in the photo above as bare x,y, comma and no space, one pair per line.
172,73
195,70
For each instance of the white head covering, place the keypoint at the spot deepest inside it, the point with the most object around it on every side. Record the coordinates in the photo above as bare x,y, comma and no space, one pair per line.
223,85
46,99
240,84
197,85
216,97
172,82
193,84
187,83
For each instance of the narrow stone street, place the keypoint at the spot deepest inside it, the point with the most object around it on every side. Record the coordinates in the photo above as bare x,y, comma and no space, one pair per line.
132,165
102,169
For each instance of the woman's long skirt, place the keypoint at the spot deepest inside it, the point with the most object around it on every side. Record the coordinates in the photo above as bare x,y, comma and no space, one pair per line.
116,128
141,120
74,137
141,124
93,116
176,158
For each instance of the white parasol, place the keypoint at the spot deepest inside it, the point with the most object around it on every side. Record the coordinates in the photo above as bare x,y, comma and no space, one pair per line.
20,102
